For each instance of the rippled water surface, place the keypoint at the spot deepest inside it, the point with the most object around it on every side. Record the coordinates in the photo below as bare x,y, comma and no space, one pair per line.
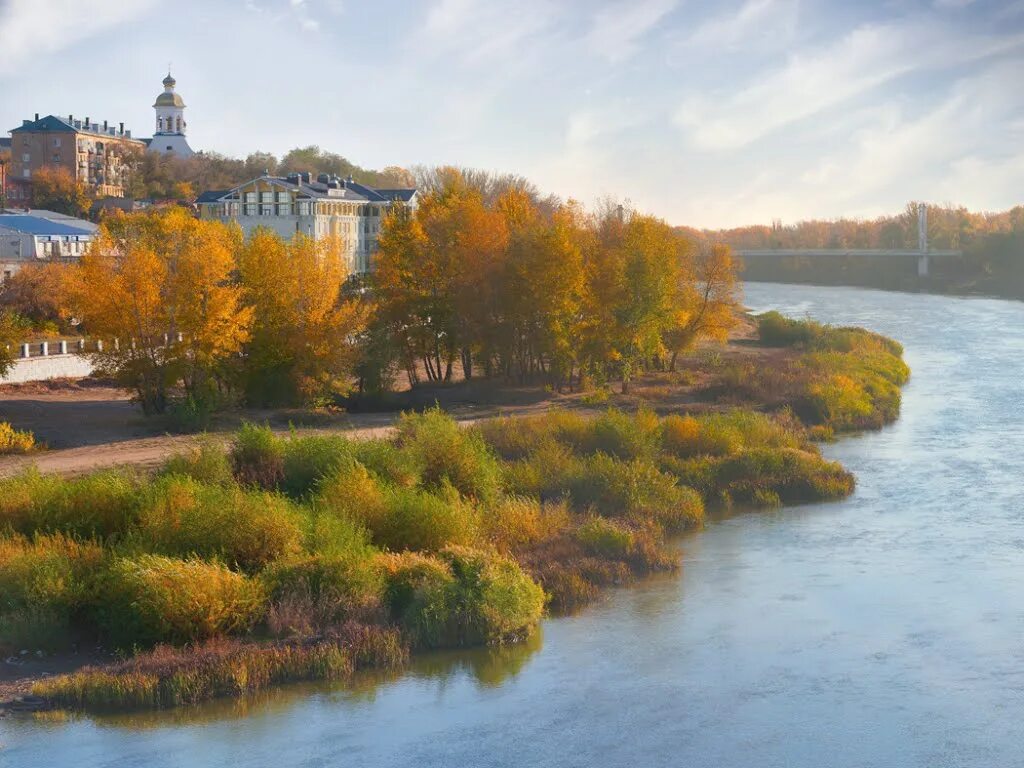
886,630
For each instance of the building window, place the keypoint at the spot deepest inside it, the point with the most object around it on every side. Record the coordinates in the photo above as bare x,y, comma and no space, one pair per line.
303,209
250,209
27,173
250,197
25,158
56,141
266,210
284,210
266,197
284,197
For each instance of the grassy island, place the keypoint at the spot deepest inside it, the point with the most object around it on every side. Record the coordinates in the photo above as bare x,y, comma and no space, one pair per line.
307,557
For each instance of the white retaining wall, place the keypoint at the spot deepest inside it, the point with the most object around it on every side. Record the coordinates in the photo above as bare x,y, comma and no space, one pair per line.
51,366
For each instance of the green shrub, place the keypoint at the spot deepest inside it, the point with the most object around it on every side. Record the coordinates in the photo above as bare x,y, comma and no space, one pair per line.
462,597
206,462
257,457
514,522
151,599
307,460
766,477
777,330
102,504
421,520
450,454
549,472
246,528
311,593
44,584
605,538
352,493
388,462
620,434
724,434
516,437
636,489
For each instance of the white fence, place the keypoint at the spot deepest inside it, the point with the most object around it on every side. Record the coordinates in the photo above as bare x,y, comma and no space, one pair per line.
44,360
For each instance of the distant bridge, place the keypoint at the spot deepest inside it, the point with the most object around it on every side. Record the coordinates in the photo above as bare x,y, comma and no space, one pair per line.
922,253
923,256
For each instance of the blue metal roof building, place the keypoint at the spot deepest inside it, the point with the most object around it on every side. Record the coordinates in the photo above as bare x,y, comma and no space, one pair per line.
37,225
27,239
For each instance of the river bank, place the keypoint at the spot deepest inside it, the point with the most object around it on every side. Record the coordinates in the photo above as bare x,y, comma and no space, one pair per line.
876,630
631,481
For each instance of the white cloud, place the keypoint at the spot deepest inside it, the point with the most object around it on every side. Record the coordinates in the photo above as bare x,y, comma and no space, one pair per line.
31,28
765,23
829,75
618,28
479,31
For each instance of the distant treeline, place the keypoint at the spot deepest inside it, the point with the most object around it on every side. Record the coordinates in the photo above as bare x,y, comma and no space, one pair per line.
992,243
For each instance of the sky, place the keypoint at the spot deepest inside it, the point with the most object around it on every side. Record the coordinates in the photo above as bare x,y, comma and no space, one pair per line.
708,114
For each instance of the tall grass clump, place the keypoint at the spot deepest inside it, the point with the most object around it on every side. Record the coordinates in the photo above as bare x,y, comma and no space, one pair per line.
307,460
352,493
169,677
310,594
515,522
423,521
460,597
151,599
242,527
206,462
257,457
46,583
103,504
450,455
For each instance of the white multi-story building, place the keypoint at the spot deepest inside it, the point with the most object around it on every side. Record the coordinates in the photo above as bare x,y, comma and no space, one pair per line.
349,212
35,237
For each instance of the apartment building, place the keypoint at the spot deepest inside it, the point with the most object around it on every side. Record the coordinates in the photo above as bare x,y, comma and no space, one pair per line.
325,207
97,154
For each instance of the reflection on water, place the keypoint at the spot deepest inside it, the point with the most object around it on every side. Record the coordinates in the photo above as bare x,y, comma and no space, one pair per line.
489,667
884,630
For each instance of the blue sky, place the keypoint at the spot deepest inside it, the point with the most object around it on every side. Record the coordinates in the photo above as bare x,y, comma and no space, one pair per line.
708,114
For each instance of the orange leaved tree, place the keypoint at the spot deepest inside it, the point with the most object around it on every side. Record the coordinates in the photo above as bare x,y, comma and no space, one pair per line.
305,334
156,289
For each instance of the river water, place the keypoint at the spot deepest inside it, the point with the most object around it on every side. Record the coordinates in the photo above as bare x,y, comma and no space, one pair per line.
885,630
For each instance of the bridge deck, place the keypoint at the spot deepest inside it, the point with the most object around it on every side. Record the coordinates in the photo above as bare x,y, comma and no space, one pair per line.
744,252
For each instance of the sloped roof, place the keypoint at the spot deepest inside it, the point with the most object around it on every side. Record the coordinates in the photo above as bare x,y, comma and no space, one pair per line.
37,225
404,195
351,191
54,124
212,196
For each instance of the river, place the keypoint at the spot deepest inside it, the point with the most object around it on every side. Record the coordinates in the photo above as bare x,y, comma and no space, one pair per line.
885,630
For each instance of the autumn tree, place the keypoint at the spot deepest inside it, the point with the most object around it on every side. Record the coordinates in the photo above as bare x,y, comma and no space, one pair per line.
37,292
55,189
303,348
156,289
707,298
541,291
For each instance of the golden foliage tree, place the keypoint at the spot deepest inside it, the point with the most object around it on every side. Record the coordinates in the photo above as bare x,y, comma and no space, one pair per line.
303,346
55,189
708,294
156,288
